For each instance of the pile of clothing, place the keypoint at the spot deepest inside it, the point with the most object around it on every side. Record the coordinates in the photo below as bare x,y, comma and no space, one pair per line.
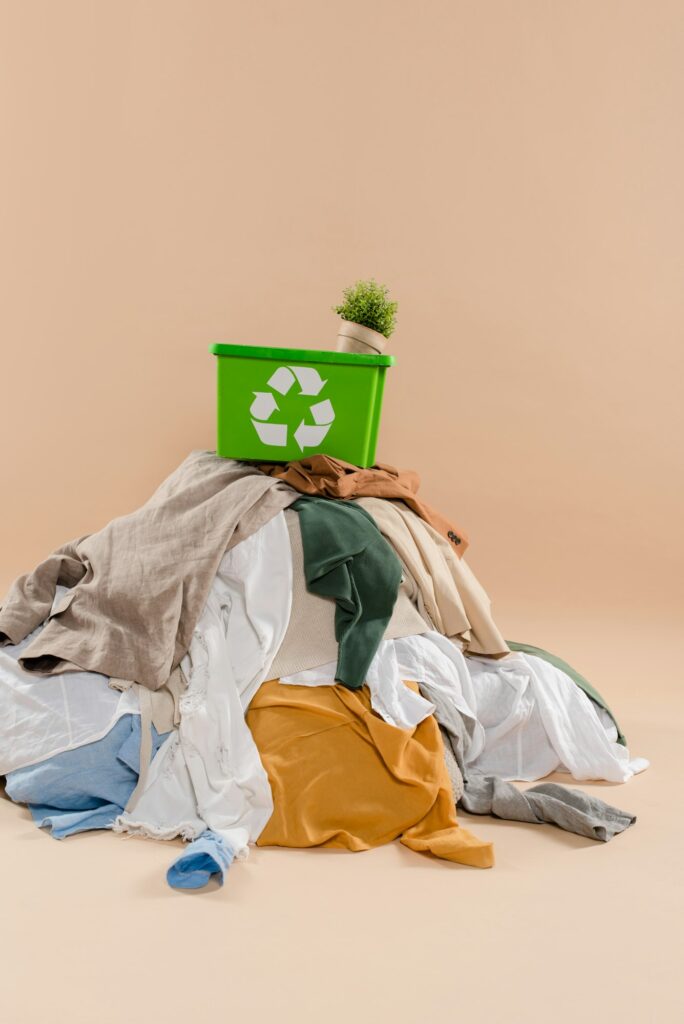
287,655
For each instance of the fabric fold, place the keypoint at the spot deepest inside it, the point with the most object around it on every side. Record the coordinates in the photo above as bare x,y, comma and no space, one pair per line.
342,777
87,787
448,594
208,774
347,559
333,478
144,578
577,678
204,858
310,637
548,803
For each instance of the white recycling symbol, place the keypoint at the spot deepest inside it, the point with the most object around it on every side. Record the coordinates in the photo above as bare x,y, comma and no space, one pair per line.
307,435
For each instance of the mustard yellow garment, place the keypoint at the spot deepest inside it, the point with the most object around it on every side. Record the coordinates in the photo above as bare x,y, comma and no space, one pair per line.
341,776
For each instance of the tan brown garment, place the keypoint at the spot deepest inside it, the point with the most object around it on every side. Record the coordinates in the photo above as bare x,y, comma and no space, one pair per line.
449,595
138,586
342,777
333,478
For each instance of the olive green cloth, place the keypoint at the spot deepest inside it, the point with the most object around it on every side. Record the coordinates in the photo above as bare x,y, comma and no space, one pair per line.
346,558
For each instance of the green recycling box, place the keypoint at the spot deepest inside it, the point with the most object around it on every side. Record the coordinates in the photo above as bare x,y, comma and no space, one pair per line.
280,404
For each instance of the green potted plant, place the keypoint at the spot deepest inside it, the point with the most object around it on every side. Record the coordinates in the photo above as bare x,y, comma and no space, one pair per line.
368,318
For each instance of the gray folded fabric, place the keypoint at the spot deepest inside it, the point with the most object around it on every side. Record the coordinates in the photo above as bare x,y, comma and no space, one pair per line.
547,803
550,803
452,768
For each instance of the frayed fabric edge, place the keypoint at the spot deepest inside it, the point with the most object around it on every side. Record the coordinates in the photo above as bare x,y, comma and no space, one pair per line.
185,831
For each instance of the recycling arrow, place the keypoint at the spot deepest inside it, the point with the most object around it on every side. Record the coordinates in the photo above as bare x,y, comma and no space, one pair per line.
263,405
310,380
272,433
282,380
307,435
323,412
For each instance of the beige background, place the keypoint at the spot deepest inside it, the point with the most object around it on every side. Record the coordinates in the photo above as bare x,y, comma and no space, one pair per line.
173,174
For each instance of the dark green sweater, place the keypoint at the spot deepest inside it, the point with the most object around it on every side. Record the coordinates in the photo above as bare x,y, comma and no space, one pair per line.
347,559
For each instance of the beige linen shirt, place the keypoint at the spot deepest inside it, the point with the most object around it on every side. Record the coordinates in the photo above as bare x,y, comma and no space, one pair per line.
138,586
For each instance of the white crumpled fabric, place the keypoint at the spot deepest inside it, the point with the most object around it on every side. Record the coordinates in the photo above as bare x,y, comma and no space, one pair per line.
41,716
524,717
209,774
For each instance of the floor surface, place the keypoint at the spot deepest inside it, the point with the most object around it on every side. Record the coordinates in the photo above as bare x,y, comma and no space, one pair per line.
561,929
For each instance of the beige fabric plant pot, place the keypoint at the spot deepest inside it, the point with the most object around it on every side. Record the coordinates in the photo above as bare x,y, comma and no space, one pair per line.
357,338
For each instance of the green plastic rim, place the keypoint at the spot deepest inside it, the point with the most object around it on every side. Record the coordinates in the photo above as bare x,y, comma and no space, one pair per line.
300,355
